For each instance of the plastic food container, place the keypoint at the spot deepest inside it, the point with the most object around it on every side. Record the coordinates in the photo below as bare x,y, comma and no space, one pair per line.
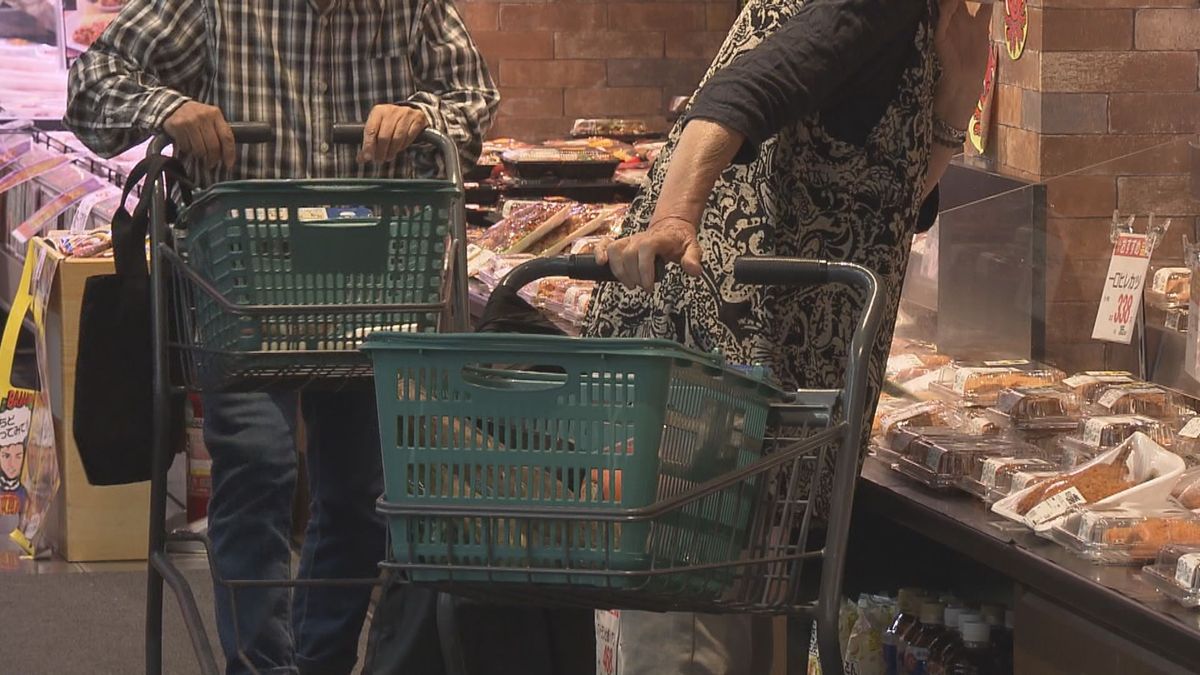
1187,441
980,384
1187,489
1137,472
628,131
1097,434
1170,287
1041,408
990,477
941,462
1087,385
1176,319
910,365
924,414
1176,573
574,163
1122,536
898,441
1140,399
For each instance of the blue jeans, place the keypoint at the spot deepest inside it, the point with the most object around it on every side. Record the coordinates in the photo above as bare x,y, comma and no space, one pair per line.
251,438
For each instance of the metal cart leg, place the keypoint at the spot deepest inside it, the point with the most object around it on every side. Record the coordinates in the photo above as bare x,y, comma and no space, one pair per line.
448,635
159,568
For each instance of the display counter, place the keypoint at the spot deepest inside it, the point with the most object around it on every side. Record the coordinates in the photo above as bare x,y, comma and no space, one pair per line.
1113,599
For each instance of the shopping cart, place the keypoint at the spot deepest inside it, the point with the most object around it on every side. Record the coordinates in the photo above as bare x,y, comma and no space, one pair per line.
274,285
619,473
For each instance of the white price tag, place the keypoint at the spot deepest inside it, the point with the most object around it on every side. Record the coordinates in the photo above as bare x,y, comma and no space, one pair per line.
1122,296
1111,396
608,638
83,211
1191,429
1185,570
1087,525
963,377
1079,380
1055,507
1006,363
992,466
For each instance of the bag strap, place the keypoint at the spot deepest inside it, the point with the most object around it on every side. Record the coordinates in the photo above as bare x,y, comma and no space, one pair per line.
129,230
21,305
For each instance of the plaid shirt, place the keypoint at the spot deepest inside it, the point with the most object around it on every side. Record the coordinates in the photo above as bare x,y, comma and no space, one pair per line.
286,63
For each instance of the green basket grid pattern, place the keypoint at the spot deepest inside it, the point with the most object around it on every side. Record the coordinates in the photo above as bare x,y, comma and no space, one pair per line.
657,419
271,244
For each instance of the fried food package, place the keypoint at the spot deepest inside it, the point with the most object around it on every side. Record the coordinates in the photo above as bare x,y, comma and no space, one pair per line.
1126,535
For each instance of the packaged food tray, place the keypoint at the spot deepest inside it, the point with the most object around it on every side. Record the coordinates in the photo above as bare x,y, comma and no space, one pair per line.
1123,536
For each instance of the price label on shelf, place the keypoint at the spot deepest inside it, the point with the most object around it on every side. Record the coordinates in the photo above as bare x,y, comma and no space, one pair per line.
1054,507
1185,570
1122,296
608,641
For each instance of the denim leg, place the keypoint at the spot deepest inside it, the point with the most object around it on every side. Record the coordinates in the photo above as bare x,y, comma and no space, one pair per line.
251,438
345,537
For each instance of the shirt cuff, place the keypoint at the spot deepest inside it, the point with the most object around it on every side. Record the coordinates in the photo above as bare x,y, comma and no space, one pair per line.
158,106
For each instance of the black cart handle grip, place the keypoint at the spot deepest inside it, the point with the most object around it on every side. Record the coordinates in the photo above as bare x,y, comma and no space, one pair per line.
249,133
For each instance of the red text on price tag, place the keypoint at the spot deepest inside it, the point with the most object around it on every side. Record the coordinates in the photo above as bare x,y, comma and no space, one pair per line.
1122,295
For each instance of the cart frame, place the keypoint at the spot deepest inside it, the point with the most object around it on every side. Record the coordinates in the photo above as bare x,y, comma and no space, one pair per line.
817,410
161,569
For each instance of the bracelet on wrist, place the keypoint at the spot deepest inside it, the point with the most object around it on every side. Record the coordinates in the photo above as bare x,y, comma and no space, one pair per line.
947,135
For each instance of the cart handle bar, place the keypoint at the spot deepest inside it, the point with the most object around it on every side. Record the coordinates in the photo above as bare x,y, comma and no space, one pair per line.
763,271
253,133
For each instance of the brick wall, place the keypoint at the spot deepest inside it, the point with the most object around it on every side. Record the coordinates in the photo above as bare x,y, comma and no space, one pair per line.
1100,79
558,60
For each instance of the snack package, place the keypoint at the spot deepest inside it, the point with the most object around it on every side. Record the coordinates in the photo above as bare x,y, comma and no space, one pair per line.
991,477
1087,385
1140,399
924,414
864,649
1170,287
980,384
1176,573
941,462
609,127
847,617
910,365
1123,536
1139,471
1035,408
1097,434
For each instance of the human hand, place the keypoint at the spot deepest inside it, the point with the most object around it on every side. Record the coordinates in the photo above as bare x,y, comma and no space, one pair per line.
633,259
962,42
389,130
201,132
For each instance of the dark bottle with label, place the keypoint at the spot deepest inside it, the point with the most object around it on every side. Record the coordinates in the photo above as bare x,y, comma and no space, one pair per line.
920,640
976,657
909,603
945,643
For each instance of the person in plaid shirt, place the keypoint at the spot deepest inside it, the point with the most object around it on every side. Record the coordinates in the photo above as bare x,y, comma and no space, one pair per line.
187,68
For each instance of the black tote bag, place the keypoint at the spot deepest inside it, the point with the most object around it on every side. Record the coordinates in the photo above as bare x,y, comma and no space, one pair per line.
114,382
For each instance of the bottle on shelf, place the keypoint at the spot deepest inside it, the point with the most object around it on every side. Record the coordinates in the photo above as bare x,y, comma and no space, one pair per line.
921,639
976,656
908,602
945,645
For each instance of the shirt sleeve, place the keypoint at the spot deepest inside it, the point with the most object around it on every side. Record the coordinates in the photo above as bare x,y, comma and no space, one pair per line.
930,210
796,70
455,90
149,62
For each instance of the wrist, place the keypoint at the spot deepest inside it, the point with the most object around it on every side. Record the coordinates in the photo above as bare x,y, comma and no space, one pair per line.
955,104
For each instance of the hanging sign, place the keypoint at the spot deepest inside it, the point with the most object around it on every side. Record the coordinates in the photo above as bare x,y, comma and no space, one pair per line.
1122,296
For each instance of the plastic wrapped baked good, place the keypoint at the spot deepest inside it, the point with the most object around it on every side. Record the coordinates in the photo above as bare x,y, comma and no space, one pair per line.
1187,441
990,477
906,366
1170,287
571,163
1140,398
1187,490
1045,408
609,127
981,383
1138,471
1087,385
924,414
1176,573
1100,433
1125,535
941,461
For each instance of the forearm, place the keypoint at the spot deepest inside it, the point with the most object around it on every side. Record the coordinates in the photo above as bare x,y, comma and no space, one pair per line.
705,149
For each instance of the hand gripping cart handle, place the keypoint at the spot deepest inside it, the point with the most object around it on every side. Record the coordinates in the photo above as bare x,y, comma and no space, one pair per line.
619,473
274,284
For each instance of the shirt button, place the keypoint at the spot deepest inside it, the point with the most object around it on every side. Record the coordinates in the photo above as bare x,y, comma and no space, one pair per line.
322,86
324,148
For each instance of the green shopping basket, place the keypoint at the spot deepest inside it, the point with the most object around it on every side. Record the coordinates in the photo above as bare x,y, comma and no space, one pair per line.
599,426
279,282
